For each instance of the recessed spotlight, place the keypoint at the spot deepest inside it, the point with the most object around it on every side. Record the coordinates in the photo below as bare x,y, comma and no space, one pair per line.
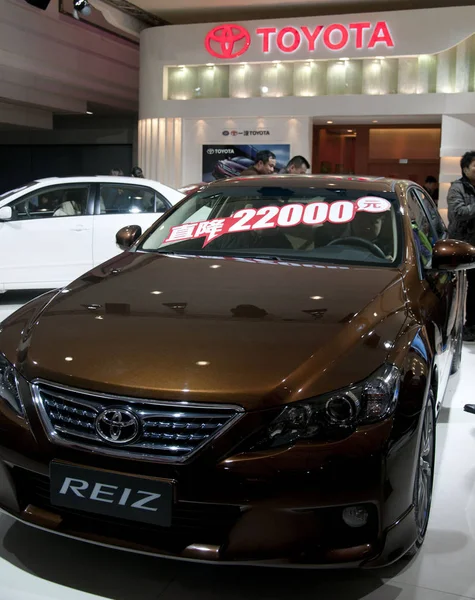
89,112
210,64
276,62
68,358
375,121
345,59
203,363
380,58
350,130
330,122
316,297
156,293
215,267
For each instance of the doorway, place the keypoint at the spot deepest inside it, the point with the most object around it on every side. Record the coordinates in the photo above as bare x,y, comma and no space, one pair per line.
405,152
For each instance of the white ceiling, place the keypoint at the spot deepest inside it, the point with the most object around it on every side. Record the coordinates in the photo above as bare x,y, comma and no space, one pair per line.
193,11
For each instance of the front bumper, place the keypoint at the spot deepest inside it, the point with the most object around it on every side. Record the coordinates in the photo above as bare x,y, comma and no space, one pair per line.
294,528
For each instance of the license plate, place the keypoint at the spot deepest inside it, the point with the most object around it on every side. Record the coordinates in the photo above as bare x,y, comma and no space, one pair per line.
105,493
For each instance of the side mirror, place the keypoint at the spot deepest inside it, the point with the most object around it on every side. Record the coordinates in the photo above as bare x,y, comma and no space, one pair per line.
6,213
127,236
453,255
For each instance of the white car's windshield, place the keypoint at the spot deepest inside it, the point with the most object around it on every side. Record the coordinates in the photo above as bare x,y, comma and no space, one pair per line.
6,195
327,224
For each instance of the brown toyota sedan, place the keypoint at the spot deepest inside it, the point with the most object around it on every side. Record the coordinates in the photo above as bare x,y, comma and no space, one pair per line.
255,379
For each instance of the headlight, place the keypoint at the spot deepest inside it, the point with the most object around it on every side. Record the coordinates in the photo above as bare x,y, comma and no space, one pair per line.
337,413
9,386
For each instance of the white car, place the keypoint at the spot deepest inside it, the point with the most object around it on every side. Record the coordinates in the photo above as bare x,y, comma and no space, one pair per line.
53,230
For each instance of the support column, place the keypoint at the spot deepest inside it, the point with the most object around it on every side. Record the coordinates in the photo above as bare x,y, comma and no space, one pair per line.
160,150
458,137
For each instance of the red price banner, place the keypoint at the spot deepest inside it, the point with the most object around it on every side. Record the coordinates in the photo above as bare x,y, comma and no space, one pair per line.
270,217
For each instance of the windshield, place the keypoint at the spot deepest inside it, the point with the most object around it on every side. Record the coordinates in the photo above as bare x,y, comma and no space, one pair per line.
15,191
330,224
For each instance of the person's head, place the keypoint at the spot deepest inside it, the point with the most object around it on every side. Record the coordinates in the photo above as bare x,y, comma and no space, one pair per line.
116,173
265,162
467,165
430,183
137,172
298,165
367,225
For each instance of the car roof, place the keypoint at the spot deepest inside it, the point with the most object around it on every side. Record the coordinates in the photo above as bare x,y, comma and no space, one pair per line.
378,184
99,178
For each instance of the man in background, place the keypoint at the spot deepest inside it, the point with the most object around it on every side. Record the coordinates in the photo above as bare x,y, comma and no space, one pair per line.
461,204
432,188
137,172
264,165
298,165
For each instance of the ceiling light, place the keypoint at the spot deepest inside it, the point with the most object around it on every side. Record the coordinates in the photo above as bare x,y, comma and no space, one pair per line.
316,297
380,58
375,121
264,89
68,358
202,363
276,62
210,64
156,293
89,112
350,130
330,122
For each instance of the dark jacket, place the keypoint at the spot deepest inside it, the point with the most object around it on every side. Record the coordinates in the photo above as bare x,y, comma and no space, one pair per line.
249,172
461,203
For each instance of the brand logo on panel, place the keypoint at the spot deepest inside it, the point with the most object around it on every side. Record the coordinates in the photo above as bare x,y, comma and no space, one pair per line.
231,41
117,426
227,41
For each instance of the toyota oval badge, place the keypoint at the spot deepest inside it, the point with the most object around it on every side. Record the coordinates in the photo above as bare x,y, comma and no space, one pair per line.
117,426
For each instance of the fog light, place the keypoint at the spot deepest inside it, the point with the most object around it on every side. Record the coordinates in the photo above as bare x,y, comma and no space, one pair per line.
355,516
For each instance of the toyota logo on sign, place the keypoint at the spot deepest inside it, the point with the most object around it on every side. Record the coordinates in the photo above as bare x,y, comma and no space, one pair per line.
227,41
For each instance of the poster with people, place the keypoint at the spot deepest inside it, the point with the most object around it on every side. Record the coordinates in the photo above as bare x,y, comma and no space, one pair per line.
223,161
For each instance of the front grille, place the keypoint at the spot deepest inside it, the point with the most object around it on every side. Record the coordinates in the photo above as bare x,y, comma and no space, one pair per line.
171,431
192,522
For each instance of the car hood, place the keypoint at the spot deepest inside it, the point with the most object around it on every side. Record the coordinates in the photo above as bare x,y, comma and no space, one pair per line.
255,333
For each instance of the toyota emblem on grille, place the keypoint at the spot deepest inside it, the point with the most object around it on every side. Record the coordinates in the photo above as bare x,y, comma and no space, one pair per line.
117,426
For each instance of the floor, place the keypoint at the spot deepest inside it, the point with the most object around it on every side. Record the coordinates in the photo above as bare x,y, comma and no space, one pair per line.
35,565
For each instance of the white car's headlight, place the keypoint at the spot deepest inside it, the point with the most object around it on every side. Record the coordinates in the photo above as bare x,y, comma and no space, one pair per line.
9,386
336,413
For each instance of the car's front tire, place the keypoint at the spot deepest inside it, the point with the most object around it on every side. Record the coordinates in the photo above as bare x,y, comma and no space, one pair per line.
424,479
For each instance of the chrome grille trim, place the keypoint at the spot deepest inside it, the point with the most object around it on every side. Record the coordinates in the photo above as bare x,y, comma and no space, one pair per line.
170,431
